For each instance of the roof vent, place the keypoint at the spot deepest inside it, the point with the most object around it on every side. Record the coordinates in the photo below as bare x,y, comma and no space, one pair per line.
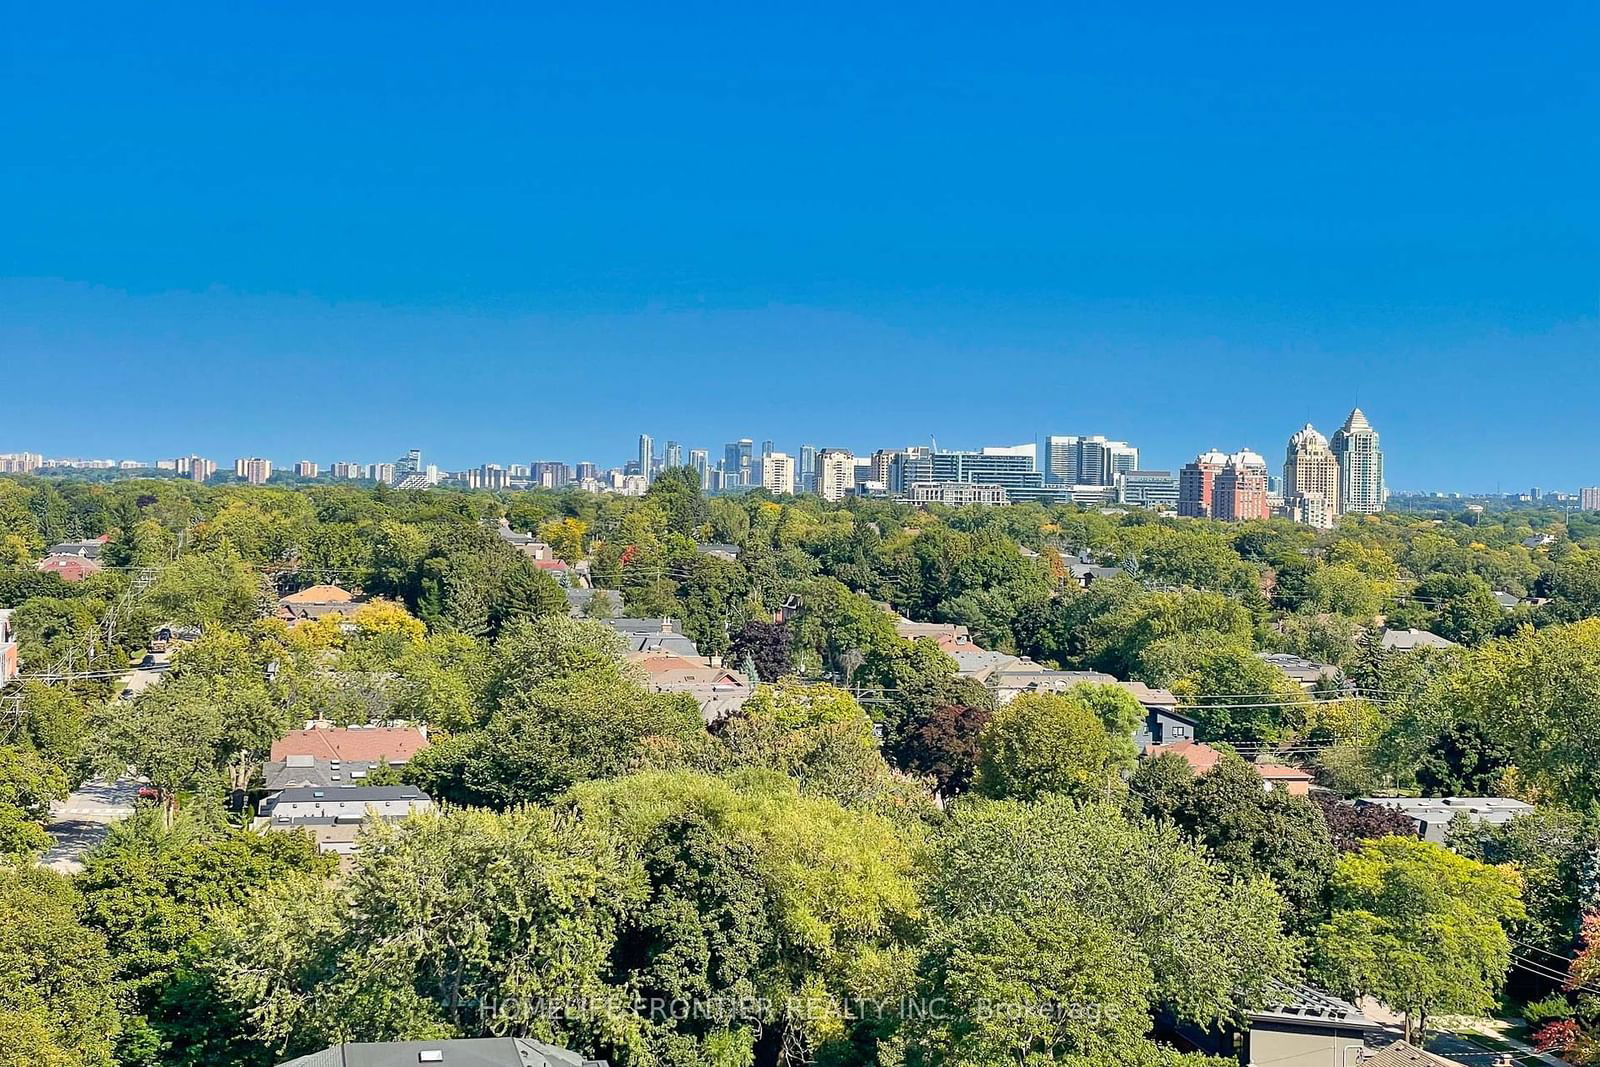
431,1055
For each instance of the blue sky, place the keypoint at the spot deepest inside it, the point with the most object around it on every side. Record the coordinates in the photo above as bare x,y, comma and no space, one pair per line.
523,232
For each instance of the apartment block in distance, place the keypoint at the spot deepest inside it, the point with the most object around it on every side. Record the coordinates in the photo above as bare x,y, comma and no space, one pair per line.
836,473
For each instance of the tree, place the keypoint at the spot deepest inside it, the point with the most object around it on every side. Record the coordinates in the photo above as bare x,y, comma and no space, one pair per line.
1140,880
705,935
56,994
838,881
1465,760
1418,927
544,739
206,589
1351,825
820,736
152,892
456,922
768,645
28,784
1048,985
1557,853
1254,832
1047,743
676,491
944,745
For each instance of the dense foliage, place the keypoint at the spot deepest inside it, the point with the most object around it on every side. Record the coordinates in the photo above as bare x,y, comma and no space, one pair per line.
875,830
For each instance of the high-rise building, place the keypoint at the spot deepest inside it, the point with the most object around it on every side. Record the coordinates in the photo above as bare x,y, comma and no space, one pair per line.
346,470
1197,484
700,461
836,473
1091,460
305,469
493,476
777,473
673,456
1240,490
645,458
1355,446
1011,466
1311,479
1589,498
587,472
254,470
1148,489
1061,459
381,472
767,448
1100,460
549,473
955,494
410,463
736,459
20,462
198,468
808,469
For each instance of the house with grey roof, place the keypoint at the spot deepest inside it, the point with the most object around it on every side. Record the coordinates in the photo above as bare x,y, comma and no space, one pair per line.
1308,673
586,603
1433,815
1297,1026
312,772
1407,640
451,1052
333,816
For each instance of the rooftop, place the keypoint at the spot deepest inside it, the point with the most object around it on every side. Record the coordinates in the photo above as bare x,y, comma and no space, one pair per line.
397,744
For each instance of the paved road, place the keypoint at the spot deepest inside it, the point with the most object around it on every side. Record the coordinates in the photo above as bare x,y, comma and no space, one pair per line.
81,821
140,680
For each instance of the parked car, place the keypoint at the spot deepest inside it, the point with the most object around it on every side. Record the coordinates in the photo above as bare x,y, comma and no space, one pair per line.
149,792
148,662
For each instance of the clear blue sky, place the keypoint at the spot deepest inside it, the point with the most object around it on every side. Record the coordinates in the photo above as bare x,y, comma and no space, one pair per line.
535,230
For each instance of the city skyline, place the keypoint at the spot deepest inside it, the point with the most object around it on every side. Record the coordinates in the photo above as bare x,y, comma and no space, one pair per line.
1351,461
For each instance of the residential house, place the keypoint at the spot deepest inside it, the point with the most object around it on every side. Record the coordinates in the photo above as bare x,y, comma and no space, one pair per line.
310,772
1537,541
1507,601
654,635
1309,673
1297,1027
1305,1028
526,543
450,1052
334,816
949,636
580,599
395,745
88,549
1433,815
1085,572
720,551
69,568
718,690
1406,640
318,601
1163,725
1201,758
